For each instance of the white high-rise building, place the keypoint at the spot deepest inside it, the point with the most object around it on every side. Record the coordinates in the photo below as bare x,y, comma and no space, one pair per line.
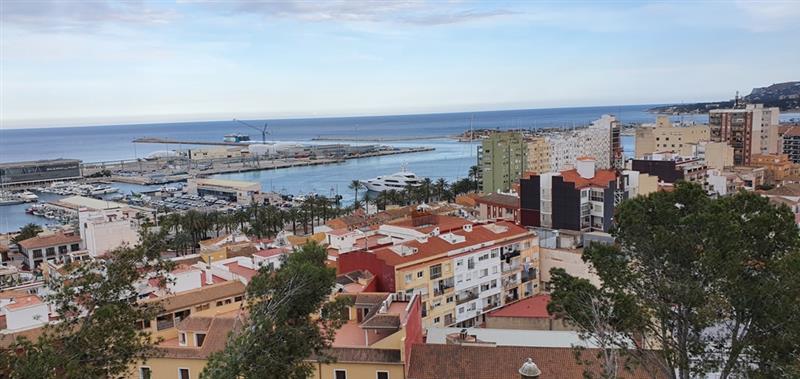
594,141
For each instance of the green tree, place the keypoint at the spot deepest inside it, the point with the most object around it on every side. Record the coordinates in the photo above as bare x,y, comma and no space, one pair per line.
713,282
282,329
355,185
96,335
27,231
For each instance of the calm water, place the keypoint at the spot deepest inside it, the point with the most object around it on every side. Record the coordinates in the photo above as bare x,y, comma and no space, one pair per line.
451,160
113,142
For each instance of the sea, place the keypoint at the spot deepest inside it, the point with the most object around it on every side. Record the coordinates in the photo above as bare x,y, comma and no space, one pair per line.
450,159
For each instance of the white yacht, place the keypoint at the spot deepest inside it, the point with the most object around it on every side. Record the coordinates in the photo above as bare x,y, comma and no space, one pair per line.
397,181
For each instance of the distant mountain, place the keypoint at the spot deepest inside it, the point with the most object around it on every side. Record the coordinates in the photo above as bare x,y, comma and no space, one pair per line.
786,96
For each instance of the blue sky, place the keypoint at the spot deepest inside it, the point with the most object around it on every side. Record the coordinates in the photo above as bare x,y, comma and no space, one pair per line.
96,62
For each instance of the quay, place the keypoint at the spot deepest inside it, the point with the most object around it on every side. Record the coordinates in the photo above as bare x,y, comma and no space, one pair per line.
176,169
379,139
180,142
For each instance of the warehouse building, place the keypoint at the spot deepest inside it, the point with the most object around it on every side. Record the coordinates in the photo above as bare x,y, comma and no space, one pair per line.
39,171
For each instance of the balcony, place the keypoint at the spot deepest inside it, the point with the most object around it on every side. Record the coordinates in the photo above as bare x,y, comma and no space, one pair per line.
511,282
466,296
441,290
506,267
528,275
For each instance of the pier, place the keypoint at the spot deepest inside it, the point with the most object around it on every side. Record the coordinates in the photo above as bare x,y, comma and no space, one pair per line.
379,139
180,142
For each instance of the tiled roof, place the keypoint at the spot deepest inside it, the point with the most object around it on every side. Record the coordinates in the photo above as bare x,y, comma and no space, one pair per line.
785,190
436,361
48,241
531,307
436,245
357,354
793,131
216,338
600,179
499,199
202,295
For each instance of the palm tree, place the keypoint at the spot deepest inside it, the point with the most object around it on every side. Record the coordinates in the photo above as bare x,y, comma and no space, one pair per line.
28,231
355,185
439,187
474,172
425,189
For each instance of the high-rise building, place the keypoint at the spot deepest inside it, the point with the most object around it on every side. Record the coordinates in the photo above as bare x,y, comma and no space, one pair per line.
663,136
538,155
501,160
748,130
557,151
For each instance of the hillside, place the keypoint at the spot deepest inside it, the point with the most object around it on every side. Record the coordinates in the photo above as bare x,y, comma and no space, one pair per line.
786,96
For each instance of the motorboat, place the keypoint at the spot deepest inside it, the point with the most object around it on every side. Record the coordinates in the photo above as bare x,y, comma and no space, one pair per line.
397,181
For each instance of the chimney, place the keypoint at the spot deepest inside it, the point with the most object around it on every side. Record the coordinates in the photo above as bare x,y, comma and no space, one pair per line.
585,167
209,275
529,370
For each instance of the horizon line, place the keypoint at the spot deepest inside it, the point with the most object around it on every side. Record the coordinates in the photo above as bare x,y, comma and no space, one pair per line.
312,117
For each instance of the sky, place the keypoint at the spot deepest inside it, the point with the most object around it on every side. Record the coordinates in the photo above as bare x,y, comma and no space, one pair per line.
67,63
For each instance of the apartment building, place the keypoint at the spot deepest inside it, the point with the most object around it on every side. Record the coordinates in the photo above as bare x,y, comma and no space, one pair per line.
778,166
749,130
538,154
501,160
49,245
717,155
664,136
599,140
375,342
790,144
460,269
580,199
670,168
107,229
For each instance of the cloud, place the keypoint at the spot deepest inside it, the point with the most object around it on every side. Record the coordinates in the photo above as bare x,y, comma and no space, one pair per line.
367,11
76,16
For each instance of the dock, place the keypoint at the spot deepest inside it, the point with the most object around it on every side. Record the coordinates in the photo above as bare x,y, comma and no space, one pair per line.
379,139
181,142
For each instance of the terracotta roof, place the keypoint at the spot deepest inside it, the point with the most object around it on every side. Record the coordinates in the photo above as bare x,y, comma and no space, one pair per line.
531,307
601,178
499,199
216,338
430,361
24,302
785,190
202,295
247,273
436,245
793,131
365,354
48,241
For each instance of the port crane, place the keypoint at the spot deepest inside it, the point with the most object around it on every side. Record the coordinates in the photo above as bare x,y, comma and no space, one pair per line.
263,130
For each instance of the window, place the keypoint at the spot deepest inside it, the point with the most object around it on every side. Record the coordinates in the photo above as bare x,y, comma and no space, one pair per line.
37,253
420,274
449,299
408,278
228,301
459,263
436,271
495,253
339,374
182,339
183,373
165,322
383,374
75,247
182,314
470,263
199,338
219,303
436,320
145,373
201,307
238,298
51,251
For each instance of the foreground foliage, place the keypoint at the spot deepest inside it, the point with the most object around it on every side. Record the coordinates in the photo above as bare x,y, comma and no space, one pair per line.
96,334
713,283
290,319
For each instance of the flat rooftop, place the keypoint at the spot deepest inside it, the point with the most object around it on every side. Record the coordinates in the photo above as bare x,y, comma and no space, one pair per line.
77,202
41,162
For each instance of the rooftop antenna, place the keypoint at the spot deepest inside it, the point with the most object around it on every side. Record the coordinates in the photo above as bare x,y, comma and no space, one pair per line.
263,130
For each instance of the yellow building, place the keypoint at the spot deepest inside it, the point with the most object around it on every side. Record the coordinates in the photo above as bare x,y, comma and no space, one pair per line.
538,155
374,343
663,136
460,269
